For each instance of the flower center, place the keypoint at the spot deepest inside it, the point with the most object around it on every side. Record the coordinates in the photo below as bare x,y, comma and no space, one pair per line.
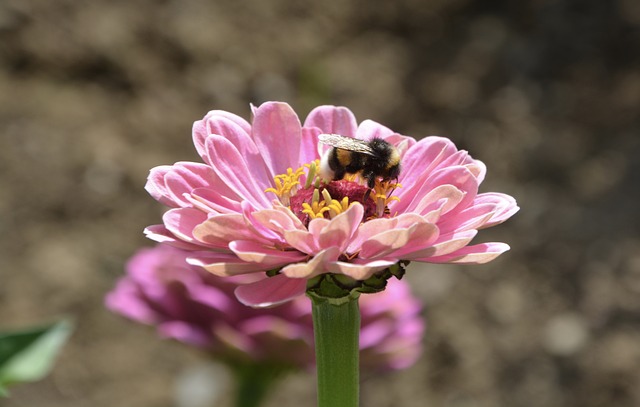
330,200
309,197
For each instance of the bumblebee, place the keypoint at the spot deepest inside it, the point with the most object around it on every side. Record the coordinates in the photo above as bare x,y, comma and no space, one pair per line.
371,159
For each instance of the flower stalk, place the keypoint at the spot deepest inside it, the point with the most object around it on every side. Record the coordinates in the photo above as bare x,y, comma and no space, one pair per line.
336,324
254,382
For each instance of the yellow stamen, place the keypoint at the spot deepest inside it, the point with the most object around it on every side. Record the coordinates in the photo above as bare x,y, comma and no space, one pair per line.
286,184
337,207
326,195
383,197
315,210
318,207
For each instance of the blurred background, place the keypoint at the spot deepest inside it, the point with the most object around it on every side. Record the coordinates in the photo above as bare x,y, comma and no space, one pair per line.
545,92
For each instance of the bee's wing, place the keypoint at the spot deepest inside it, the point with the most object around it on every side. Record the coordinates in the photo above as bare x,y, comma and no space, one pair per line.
346,143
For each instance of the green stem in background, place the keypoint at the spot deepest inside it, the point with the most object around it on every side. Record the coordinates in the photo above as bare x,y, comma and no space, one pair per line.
254,382
336,325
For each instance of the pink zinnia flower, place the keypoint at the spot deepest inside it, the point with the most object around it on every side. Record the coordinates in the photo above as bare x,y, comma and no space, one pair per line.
188,304
256,204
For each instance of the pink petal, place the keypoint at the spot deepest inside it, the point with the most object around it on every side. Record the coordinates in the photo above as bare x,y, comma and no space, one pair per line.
211,296
278,220
360,271
310,146
469,218
341,228
478,168
375,332
223,264
316,226
442,198
458,176
212,201
256,253
301,240
258,228
506,207
421,235
271,291
446,244
160,234
184,332
220,230
371,228
285,209
221,123
182,221
243,142
184,177
461,178
476,254
231,116
460,157
126,299
277,133
232,169
316,266
424,157
369,129
332,119
157,188
384,243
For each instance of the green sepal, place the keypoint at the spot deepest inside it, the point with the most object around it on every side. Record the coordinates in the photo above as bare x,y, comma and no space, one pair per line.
345,282
374,284
328,288
398,269
339,285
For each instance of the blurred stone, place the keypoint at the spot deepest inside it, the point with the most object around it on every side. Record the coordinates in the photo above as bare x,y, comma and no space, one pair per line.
565,334
201,385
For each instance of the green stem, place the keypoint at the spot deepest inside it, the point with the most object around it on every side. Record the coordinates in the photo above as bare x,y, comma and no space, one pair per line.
253,383
336,325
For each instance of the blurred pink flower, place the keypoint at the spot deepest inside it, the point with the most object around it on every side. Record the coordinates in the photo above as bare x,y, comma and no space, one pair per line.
224,211
190,305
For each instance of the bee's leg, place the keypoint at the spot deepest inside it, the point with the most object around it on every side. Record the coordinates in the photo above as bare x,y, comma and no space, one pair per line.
394,188
366,195
371,179
371,183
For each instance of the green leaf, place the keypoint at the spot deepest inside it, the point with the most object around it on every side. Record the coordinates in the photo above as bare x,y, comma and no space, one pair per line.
29,355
